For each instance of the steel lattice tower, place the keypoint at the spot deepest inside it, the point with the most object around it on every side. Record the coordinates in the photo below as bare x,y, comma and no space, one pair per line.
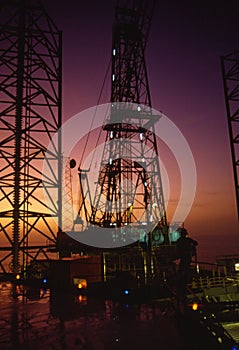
230,72
30,113
129,189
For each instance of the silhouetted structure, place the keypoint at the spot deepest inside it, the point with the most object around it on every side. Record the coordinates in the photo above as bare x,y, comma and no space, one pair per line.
230,72
30,114
128,199
129,188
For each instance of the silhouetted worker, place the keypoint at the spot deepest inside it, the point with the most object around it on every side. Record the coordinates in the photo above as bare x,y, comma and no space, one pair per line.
186,247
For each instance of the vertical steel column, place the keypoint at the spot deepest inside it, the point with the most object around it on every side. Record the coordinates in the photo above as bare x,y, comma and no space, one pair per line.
18,135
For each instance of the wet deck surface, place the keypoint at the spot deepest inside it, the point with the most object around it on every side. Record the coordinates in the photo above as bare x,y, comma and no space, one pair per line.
58,322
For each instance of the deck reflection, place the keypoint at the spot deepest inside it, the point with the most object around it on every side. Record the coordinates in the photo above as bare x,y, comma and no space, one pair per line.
38,319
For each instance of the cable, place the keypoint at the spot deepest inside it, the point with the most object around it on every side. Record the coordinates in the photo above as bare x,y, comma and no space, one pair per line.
93,119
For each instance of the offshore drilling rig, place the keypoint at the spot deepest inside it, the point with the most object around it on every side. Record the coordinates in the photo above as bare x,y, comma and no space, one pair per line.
129,200
128,204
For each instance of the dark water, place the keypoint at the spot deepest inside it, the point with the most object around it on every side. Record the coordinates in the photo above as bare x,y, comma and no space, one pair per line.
48,321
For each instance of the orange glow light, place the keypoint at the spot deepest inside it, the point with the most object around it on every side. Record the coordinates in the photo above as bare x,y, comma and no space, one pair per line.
82,283
195,306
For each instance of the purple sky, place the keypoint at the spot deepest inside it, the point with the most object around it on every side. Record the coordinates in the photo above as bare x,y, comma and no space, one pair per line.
185,43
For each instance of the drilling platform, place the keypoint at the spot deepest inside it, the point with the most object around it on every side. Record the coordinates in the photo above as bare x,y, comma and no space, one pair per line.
128,204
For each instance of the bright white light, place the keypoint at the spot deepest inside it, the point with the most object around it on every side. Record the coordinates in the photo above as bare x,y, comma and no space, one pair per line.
129,204
111,134
143,160
138,108
114,52
113,77
145,184
141,136
110,160
144,223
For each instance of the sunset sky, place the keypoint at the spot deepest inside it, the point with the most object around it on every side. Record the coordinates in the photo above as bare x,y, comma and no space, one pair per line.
185,43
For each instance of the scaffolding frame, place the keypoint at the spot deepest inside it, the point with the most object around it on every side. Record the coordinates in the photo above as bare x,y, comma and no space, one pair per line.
30,114
230,74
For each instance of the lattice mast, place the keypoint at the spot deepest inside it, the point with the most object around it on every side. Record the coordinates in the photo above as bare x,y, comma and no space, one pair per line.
230,72
129,188
30,113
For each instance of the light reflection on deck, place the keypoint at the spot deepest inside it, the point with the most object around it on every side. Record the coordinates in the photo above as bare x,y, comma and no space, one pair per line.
55,322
